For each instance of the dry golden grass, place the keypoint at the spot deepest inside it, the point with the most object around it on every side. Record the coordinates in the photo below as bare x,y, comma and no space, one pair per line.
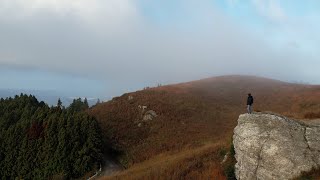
199,163
191,115
312,115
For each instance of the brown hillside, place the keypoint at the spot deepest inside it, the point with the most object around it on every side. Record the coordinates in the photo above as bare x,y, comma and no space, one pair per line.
193,114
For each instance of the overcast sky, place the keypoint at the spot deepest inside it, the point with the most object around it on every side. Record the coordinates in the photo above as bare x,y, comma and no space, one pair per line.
102,48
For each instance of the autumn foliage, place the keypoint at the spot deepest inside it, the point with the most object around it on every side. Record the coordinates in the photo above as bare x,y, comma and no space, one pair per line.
191,116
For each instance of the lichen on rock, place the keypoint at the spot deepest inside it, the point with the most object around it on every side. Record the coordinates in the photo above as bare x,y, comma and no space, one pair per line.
270,146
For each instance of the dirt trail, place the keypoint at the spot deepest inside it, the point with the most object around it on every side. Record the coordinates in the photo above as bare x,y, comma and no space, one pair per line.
110,167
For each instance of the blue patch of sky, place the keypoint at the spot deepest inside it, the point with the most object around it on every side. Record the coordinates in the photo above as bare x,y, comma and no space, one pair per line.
168,13
242,12
161,12
185,15
300,8
165,13
277,34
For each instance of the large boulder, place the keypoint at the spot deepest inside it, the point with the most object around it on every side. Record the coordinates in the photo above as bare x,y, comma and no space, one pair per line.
270,146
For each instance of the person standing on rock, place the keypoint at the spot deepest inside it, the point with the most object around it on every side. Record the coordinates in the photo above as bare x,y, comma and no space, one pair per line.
249,103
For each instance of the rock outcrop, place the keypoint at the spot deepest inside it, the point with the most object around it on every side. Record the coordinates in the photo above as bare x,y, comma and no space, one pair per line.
270,146
149,115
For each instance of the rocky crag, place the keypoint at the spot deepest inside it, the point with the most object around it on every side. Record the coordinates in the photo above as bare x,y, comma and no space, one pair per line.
270,146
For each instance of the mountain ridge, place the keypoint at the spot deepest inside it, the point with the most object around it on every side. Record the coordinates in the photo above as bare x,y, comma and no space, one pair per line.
192,114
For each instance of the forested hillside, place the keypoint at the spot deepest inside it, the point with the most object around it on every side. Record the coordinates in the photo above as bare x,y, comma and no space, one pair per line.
40,142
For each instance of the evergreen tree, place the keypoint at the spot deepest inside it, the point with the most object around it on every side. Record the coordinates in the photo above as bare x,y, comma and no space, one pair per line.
59,104
85,103
39,142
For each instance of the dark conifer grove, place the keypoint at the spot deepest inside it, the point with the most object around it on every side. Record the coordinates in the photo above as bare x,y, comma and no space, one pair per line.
42,142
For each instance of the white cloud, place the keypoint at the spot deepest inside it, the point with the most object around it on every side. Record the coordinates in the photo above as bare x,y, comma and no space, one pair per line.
285,27
91,11
58,36
271,9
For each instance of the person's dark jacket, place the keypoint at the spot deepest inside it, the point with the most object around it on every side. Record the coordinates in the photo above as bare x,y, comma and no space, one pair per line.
250,100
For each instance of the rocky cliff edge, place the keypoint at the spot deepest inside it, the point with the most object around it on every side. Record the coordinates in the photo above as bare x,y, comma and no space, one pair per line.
270,146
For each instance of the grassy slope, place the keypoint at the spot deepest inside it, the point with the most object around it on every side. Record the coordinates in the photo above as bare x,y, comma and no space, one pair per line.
193,115
198,163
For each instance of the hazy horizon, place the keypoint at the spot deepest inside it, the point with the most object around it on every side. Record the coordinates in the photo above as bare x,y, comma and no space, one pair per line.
96,48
